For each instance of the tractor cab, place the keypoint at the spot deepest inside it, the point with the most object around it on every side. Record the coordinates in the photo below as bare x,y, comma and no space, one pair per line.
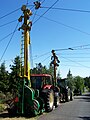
39,81
62,83
65,91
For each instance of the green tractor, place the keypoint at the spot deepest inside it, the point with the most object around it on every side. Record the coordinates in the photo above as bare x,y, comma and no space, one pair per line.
66,93
41,96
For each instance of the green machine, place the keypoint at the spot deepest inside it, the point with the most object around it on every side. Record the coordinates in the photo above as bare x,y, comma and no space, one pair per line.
27,101
65,91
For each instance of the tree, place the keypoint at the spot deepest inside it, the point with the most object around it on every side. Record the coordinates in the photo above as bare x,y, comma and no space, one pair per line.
4,78
70,81
69,75
14,76
79,83
39,69
87,82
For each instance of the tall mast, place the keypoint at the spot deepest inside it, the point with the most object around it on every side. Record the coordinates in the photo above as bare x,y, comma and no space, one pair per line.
26,27
54,62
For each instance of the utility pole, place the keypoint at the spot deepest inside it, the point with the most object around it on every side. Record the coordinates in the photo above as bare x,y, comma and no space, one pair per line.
55,64
26,27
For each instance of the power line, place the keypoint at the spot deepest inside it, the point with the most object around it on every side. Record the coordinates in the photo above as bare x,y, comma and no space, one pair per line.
34,16
9,13
7,36
81,47
46,11
8,23
66,54
12,12
80,61
71,65
76,62
9,42
72,49
41,55
63,49
46,58
58,22
41,2
36,56
68,9
79,57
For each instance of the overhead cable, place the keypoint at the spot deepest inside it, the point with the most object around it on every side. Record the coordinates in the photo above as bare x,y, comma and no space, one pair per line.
58,22
46,11
9,42
12,12
9,13
68,9
43,1
76,62
79,53
36,57
71,65
74,47
46,58
7,36
34,16
81,46
7,23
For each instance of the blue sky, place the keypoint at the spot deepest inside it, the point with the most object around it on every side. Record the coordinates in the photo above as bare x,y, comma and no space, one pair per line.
57,29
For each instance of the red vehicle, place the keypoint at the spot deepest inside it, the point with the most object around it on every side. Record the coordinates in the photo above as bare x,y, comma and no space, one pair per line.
43,84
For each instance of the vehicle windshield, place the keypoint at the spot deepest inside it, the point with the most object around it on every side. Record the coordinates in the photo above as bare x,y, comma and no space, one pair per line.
39,81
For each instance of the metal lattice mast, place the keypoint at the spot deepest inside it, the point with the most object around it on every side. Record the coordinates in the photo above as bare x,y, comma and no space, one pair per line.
55,64
26,27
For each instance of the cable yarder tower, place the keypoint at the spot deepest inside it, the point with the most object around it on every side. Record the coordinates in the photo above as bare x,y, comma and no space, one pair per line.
25,57
25,91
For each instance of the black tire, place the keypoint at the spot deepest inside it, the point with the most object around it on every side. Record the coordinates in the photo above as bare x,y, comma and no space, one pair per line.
12,111
67,97
71,96
56,99
49,101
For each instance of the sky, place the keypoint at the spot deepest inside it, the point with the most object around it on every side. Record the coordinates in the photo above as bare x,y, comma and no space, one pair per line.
52,29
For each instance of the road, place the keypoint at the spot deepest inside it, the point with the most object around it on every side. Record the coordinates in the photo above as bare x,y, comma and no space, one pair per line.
78,109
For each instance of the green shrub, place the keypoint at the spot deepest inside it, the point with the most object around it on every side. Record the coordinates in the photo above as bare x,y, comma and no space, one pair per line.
2,107
2,97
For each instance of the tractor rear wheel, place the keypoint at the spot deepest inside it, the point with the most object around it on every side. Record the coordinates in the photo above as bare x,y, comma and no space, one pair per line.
49,100
67,97
56,100
12,109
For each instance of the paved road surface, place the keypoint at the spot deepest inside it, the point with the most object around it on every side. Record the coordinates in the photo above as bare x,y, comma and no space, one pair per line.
78,109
